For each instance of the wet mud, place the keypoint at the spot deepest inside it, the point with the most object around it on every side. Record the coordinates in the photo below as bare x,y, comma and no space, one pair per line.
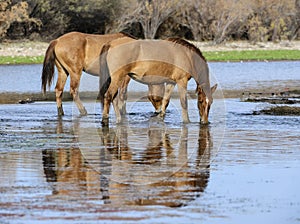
280,111
278,104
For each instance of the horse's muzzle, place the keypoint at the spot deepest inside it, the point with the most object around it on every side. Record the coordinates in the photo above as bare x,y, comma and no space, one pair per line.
204,120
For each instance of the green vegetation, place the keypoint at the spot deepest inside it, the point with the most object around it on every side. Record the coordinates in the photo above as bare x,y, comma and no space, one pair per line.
15,60
252,55
247,55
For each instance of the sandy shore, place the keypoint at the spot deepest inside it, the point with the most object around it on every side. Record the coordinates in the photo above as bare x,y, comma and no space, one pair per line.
27,48
31,48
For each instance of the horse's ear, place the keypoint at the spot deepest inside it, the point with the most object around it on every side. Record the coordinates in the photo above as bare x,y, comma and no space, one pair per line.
213,89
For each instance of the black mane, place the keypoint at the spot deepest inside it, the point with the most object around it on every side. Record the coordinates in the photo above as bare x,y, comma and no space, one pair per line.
187,44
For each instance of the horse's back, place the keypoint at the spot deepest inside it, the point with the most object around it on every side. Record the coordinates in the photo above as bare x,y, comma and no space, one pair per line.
154,51
82,50
93,47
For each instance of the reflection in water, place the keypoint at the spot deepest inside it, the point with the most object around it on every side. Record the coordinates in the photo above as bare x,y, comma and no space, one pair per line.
132,165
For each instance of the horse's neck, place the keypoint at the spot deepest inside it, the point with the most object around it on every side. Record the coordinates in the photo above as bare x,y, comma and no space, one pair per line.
201,74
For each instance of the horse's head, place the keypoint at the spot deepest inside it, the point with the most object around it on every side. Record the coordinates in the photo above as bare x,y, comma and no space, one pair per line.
204,103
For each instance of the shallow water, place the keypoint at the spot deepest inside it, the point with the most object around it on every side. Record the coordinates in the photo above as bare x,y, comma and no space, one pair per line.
242,168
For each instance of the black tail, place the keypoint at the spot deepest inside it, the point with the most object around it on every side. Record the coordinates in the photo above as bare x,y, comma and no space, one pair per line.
104,73
48,66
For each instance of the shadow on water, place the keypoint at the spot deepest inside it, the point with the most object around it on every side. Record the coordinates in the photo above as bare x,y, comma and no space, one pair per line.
131,165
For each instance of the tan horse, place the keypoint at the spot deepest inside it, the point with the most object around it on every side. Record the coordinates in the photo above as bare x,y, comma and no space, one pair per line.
155,62
73,53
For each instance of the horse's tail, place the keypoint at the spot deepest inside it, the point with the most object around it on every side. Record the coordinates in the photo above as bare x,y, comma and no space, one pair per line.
48,66
104,73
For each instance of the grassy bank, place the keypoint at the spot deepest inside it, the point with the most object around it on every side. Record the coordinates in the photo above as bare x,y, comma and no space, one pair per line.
234,55
17,60
252,55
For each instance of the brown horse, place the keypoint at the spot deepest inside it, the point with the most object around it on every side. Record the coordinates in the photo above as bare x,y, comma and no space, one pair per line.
155,62
73,53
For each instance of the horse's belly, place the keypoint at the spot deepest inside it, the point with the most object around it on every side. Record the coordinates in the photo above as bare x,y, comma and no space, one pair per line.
150,79
151,72
93,68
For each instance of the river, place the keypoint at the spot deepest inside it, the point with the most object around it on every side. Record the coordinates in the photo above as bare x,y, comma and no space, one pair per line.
241,168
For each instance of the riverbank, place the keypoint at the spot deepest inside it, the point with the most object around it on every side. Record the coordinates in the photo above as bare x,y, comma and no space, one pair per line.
30,52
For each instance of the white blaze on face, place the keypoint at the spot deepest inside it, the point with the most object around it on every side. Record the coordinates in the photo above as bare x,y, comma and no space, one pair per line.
206,106
204,115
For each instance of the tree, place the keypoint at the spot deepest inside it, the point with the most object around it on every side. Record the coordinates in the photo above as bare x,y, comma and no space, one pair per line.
296,24
149,14
215,20
203,20
197,16
11,13
59,17
272,20
230,16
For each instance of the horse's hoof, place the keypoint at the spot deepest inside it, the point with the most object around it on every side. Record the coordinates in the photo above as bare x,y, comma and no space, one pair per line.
83,112
123,111
105,122
186,121
155,114
60,111
204,123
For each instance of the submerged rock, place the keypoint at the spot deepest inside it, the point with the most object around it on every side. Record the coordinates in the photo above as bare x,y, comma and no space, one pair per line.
28,100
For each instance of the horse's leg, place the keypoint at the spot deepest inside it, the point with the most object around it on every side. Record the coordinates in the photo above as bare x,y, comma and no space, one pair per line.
108,98
166,99
182,89
117,109
122,96
155,95
74,86
59,88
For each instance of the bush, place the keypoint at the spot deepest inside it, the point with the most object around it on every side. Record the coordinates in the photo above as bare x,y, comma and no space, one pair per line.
16,15
205,20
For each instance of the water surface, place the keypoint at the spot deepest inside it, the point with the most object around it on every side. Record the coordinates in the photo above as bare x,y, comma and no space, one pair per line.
242,168
73,170
231,76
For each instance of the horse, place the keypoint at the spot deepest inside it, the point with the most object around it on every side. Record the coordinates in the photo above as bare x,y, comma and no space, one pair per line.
155,62
73,53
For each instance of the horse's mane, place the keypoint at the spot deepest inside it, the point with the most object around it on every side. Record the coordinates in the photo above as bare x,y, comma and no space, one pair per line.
184,43
128,35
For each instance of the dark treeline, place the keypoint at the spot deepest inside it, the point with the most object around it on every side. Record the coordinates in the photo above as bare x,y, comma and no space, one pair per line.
201,20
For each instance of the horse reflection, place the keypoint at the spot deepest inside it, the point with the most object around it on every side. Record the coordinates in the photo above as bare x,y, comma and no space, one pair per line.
116,142
173,189
66,168
160,171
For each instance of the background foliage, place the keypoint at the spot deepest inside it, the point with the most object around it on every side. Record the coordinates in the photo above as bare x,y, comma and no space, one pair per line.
201,20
